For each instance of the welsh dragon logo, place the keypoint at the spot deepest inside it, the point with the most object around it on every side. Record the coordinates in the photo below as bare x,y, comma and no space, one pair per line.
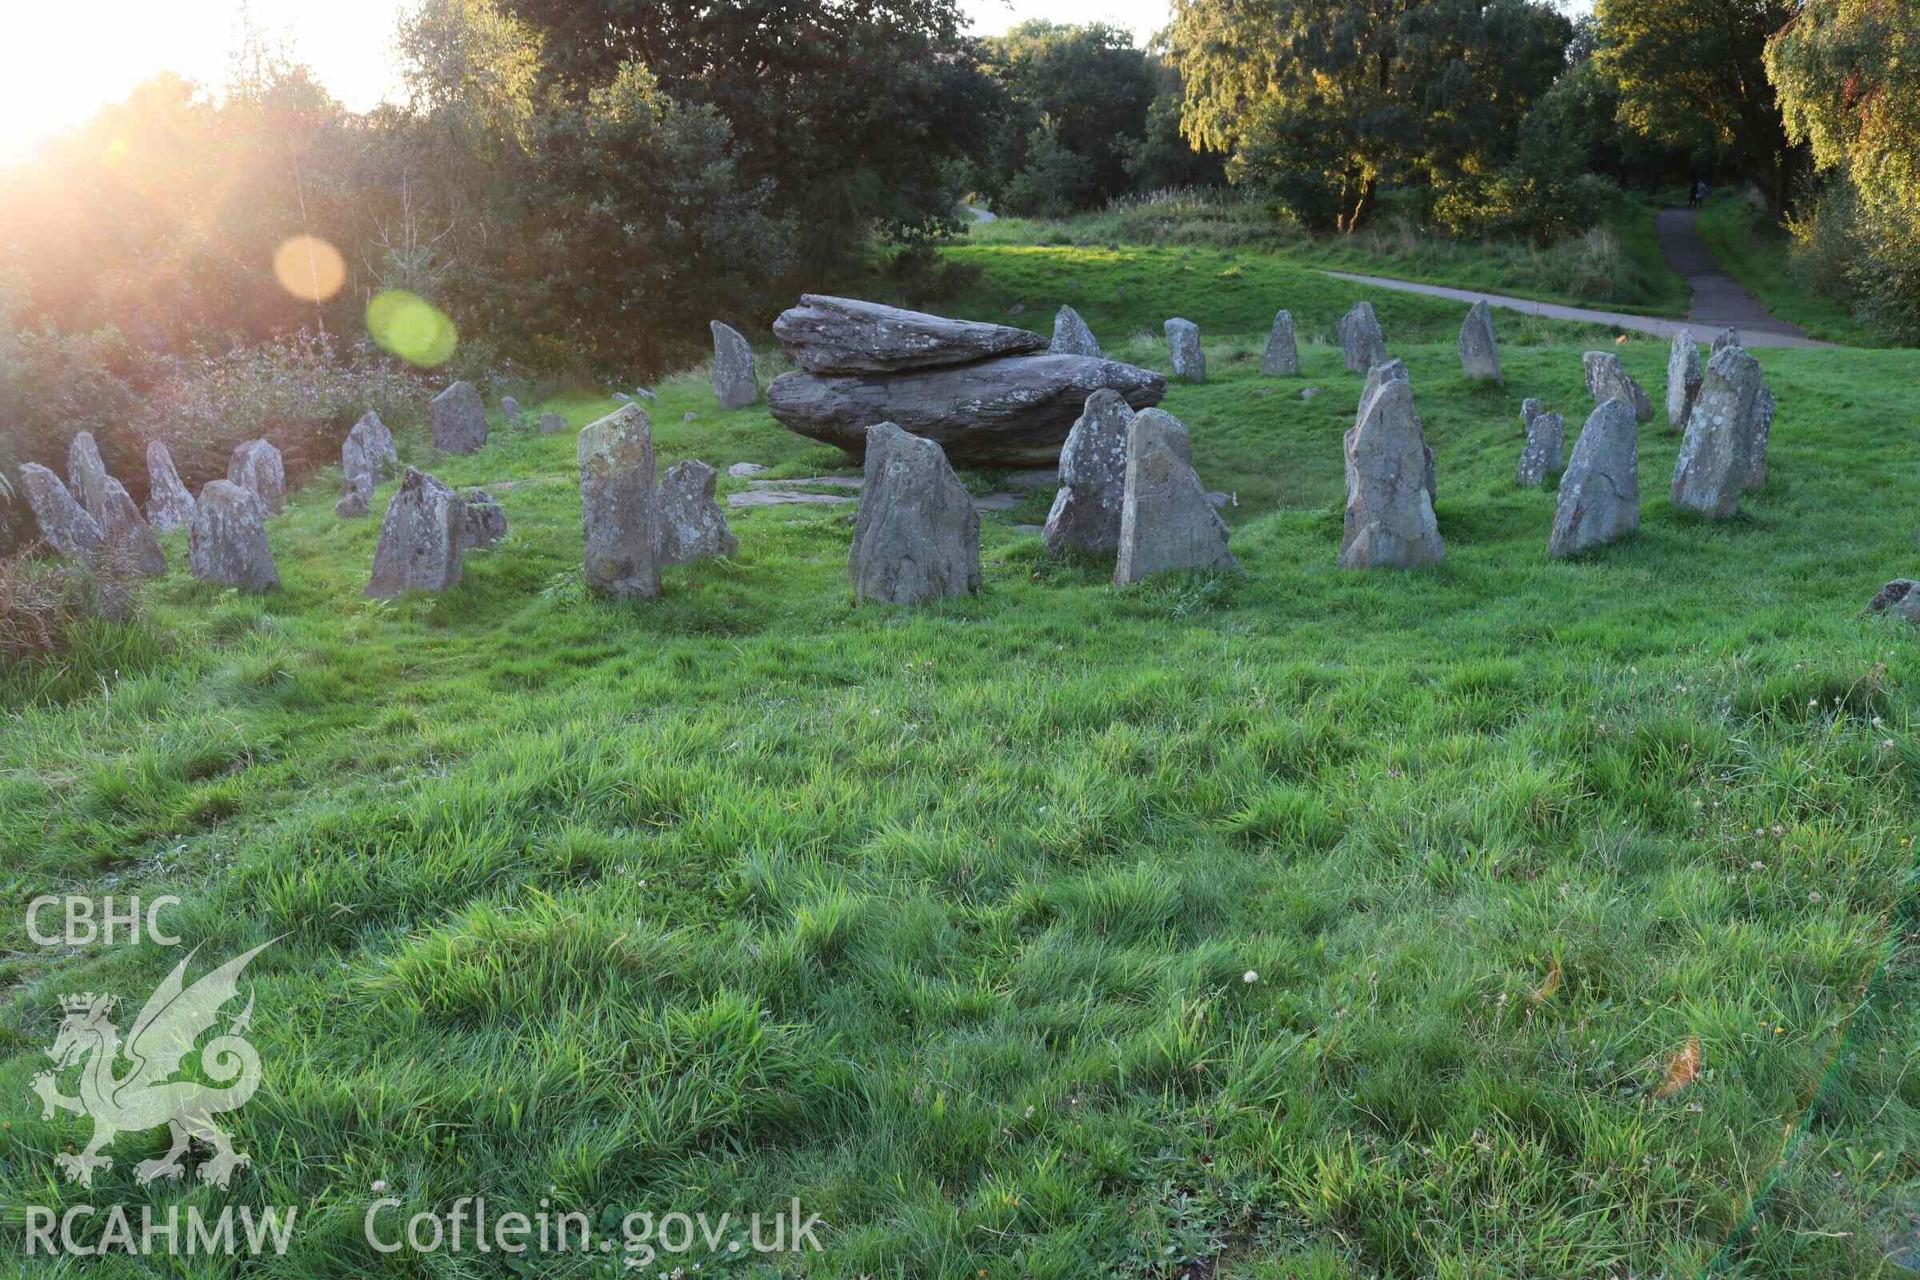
143,1097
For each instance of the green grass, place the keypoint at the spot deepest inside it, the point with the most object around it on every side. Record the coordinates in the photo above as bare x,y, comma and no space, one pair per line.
1617,267
1757,251
938,919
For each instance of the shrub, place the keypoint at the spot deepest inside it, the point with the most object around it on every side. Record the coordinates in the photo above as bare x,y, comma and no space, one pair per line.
1827,241
43,601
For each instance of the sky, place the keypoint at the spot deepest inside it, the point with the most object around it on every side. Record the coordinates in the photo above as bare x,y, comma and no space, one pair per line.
59,61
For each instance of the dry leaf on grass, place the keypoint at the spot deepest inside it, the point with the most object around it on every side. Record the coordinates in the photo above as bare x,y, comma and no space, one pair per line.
1683,1065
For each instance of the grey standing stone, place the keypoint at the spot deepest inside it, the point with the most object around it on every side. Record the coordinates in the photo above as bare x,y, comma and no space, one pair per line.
692,525
1546,438
422,539
510,409
1530,409
1757,442
367,457
1600,493
1389,518
1715,459
87,475
1901,598
1479,349
228,542
356,496
485,526
169,502
1168,522
130,541
617,512
1608,379
64,523
825,334
1183,343
552,424
1396,371
458,419
1361,341
1727,338
1683,379
1282,356
1071,337
917,536
735,384
256,467
1093,479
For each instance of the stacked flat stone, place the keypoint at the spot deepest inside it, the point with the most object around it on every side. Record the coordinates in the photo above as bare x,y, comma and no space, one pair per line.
1389,517
1361,341
917,536
1600,492
1281,359
735,383
1071,336
169,501
1183,347
1479,349
1168,523
984,392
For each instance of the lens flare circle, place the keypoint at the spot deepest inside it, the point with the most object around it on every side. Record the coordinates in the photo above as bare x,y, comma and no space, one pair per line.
309,268
412,328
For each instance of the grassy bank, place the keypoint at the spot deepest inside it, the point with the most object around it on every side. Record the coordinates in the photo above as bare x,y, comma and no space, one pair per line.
1305,922
1758,252
1617,266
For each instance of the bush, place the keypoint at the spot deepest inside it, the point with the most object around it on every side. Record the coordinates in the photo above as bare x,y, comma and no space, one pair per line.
43,603
1827,241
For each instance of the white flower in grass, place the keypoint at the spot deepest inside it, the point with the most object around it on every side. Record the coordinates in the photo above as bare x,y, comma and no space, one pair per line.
1250,977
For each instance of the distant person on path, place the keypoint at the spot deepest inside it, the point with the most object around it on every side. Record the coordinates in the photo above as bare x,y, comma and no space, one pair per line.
1699,193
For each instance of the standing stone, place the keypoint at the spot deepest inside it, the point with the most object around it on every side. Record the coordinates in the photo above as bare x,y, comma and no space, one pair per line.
617,512
485,526
1757,441
1167,521
917,537
1183,341
1389,520
1901,598
169,502
130,541
552,424
228,541
1360,338
692,525
256,467
1683,379
356,496
1530,409
1608,379
1282,357
1727,338
735,385
1715,459
87,475
376,445
1479,350
1396,371
459,419
1093,479
64,523
422,539
1071,337
1546,438
1600,493
510,410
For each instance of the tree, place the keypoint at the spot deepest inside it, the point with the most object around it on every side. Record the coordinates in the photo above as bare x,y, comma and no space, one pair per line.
1848,77
1322,100
1691,74
855,110
1077,99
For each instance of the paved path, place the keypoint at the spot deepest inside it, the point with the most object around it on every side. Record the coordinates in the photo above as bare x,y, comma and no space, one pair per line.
1719,301
981,215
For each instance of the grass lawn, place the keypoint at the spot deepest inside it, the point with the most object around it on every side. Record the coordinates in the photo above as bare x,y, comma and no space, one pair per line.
1620,268
941,919
1756,251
